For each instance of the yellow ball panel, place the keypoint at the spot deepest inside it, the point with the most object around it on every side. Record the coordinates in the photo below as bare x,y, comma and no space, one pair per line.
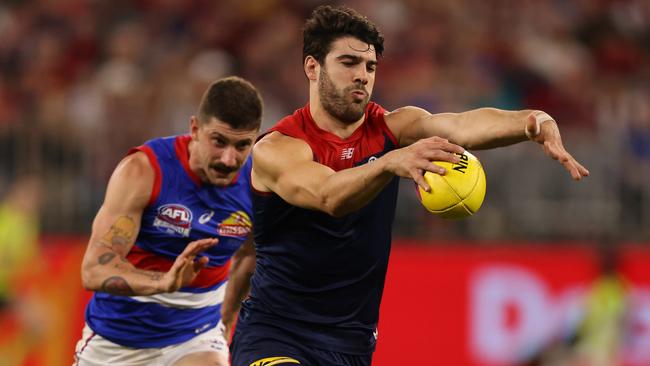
442,195
457,194
474,200
464,175
457,211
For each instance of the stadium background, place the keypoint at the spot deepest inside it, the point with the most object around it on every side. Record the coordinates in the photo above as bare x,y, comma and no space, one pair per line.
82,81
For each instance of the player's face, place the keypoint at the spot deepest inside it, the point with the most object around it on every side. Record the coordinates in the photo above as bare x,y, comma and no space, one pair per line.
346,79
218,151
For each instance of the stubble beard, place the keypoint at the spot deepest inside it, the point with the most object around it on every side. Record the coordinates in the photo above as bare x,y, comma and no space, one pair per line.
337,103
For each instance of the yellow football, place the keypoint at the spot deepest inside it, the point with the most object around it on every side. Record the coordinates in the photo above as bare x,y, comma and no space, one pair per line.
457,194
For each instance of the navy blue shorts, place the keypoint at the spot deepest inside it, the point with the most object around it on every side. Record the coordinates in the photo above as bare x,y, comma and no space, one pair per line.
261,344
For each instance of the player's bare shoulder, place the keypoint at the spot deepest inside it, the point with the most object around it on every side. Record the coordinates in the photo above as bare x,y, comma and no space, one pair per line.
276,145
402,120
133,178
135,166
273,155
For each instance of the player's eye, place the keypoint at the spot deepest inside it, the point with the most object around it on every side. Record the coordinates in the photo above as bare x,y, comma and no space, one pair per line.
243,146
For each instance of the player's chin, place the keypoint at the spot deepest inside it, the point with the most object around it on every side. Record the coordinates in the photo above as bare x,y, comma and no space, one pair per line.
221,179
355,104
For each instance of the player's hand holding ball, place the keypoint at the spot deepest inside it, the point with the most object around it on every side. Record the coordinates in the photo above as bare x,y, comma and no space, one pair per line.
457,194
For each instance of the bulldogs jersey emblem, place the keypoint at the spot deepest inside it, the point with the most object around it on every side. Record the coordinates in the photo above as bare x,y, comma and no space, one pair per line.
238,224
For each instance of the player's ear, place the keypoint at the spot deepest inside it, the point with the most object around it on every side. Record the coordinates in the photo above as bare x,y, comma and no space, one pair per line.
194,127
310,68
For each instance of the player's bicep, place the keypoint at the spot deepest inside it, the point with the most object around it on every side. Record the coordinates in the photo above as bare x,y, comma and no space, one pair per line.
284,166
301,184
410,124
117,222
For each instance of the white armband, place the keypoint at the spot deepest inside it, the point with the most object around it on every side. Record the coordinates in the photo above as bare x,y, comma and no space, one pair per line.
540,117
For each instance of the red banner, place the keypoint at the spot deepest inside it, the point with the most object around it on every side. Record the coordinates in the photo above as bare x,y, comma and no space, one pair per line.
471,305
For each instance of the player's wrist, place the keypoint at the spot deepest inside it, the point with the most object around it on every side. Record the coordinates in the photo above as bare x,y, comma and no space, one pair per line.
163,284
540,118
386,163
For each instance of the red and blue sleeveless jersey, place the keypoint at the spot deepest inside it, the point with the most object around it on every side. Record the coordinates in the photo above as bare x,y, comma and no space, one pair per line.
181,209
320,277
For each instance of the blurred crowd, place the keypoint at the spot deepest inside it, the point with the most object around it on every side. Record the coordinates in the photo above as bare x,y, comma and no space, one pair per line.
82,81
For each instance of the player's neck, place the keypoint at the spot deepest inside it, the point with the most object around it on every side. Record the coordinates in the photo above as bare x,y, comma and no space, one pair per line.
329,123
192,163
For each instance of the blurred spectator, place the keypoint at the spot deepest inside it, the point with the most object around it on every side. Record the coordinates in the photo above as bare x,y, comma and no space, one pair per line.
19,266
19,230
600,335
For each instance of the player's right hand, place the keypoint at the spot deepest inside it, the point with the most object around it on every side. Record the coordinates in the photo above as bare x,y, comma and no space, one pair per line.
186,267
413,160
547,134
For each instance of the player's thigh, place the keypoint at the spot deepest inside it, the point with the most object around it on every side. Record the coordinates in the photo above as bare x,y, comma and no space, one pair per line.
325,357
288,353
209,348
203,359
94,350
258,345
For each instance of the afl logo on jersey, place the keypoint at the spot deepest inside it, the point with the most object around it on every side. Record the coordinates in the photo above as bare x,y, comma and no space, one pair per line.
238,224
174,218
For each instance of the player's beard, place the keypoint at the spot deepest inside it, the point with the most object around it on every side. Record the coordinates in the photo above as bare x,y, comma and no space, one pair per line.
338,103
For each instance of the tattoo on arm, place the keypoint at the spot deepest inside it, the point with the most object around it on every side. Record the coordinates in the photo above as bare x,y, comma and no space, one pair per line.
117,285
121,233
154,276
106,257
124,264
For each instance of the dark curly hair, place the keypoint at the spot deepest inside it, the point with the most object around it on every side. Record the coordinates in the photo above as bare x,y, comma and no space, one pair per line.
328,23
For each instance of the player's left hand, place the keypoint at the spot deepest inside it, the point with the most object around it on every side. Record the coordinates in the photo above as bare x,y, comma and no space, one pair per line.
547,134
186,266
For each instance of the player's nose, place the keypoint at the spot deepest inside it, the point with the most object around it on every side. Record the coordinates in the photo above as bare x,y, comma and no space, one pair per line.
361,75
229,156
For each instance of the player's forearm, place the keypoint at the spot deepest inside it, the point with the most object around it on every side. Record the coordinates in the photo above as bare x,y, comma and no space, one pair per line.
237,288
487,128
348,190
112,273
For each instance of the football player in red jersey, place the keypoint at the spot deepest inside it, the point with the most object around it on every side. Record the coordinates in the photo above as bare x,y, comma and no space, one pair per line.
325,182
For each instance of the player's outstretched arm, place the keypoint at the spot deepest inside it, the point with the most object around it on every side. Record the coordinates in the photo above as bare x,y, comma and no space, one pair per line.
285,165
241,271
115,228
485,128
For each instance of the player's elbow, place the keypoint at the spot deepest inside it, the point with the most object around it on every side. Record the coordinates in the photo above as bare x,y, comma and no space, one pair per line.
89,276
340,212
333,207
327,200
